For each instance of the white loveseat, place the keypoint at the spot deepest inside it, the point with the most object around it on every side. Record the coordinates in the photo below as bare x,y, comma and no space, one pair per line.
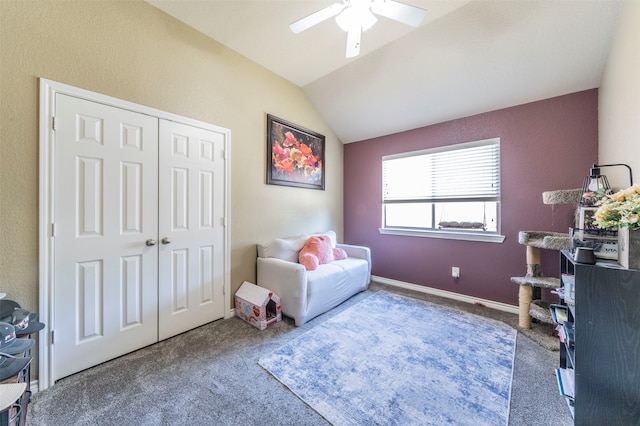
307,294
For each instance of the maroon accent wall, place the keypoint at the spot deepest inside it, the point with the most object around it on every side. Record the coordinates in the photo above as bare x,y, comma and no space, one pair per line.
545,145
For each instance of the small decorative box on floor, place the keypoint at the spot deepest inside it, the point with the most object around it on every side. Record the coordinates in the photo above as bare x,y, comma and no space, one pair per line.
257,306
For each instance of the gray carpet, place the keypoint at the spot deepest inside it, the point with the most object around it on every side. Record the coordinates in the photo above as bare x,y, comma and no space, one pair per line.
210,375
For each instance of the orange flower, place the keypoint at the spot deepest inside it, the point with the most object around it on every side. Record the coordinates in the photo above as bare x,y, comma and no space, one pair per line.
285,165
618,196
623,194
295,155
304,148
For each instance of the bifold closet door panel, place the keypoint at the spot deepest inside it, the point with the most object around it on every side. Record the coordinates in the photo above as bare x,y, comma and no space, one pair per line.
105,215
191,220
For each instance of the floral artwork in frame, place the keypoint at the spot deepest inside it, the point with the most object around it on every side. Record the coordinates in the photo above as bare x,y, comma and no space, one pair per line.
295,155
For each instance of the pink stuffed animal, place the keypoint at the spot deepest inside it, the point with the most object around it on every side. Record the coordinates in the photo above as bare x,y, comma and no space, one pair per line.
317,250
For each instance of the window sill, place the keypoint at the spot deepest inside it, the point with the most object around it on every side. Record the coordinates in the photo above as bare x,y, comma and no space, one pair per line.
447,235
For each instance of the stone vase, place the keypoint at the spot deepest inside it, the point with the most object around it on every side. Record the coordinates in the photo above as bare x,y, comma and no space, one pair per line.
629,248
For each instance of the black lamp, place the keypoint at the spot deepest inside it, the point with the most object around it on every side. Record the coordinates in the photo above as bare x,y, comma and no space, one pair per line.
598,183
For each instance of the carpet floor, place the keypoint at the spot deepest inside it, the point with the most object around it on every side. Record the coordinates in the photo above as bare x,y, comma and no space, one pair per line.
211,375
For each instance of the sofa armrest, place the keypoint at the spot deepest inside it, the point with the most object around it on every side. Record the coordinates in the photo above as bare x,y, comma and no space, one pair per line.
359,252
288,280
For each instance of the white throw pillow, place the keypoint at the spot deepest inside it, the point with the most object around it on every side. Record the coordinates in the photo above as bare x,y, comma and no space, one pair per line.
285,248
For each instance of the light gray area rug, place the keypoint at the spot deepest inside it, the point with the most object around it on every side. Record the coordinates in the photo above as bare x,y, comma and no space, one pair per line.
394,360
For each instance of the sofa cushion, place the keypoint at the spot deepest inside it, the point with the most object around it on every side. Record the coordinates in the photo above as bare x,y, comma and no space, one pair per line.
339,270
283,248
332,283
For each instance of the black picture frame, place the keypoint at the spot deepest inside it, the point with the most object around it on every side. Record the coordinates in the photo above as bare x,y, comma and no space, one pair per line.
295,155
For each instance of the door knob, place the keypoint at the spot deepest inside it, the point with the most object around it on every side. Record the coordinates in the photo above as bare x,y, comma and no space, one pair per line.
166,240
151,242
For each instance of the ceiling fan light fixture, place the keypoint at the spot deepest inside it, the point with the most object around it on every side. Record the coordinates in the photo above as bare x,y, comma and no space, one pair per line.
357,15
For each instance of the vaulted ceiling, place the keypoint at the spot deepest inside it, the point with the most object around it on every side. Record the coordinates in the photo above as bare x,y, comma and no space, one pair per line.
467,57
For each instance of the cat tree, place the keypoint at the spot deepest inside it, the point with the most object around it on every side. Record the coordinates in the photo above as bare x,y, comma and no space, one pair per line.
530,301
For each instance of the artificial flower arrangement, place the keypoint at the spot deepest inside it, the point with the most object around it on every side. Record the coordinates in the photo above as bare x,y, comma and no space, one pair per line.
619,210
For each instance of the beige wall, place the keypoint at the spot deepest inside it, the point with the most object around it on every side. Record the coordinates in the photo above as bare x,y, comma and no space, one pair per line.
619,100
133,51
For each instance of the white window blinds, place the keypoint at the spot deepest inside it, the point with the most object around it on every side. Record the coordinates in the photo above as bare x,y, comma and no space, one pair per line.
465,172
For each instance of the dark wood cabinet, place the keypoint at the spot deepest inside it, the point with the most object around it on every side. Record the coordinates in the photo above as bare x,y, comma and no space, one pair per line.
603,353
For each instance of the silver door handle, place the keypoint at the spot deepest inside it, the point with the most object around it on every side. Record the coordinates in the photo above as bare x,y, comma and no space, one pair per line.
166,240
151,242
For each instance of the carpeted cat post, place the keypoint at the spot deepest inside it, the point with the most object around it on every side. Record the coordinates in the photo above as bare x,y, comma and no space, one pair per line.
530,303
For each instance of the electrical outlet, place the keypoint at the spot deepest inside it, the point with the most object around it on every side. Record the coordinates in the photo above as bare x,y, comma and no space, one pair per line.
455,272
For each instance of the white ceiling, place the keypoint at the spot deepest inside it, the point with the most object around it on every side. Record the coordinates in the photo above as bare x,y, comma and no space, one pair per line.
466,58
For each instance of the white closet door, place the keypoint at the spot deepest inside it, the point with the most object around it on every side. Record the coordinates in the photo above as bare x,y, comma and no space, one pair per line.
191,213
106,196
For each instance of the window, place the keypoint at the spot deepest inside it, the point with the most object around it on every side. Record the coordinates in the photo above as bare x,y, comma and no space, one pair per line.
447,192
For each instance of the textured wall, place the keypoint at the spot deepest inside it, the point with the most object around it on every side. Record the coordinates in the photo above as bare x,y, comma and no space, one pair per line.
133,51
545,145
619,108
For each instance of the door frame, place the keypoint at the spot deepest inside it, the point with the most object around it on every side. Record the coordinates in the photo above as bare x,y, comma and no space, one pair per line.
48,91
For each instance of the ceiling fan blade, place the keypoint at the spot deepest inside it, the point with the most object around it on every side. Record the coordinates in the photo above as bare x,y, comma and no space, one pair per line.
353,42
317,17
397,11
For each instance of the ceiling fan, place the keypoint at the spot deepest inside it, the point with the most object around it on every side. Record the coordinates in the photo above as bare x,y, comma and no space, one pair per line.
357,16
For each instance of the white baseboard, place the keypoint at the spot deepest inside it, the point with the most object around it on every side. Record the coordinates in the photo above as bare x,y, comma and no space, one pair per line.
448,294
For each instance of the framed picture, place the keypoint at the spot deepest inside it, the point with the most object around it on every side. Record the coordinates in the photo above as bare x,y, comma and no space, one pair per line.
589,230
603,241
295,155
